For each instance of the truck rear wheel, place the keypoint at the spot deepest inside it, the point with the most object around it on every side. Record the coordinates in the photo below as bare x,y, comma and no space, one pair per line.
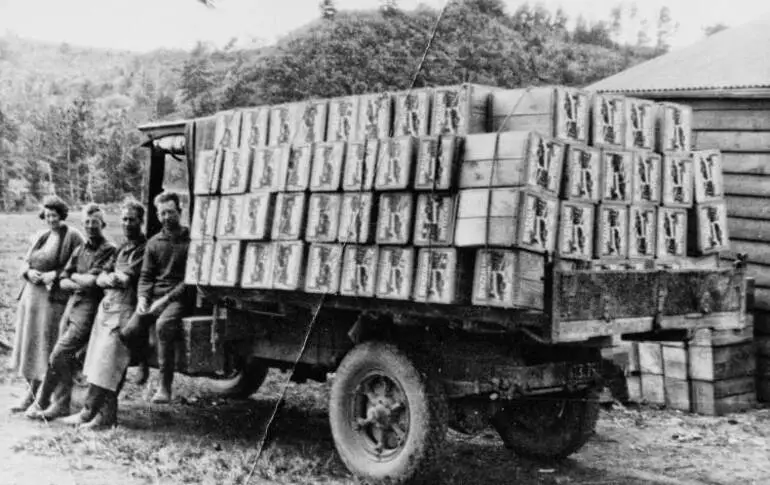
548,427
388,415
246,381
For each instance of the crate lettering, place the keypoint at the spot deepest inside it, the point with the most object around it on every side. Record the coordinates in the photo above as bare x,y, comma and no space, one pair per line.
230,213
204,217
572,108
646,177
608,120
640,124
434,222
359,270
323,217
355,217
225,265
297,171
582,173
342,119
288,263
374,116
617,176
323,272
327,166
254,127
435,162
257,265
642,236
412,112
289,214
204,170
494,277
394,220
677,181
576,230
539,223
613,236
672,232
548,156
395,273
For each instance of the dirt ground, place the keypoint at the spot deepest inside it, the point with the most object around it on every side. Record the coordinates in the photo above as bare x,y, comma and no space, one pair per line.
203,439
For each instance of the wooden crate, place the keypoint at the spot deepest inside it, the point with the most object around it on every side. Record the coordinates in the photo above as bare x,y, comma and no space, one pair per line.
608,120
412,112
671,242
394,219
708,337
226,267
323,217
311,127
343,119
554,111
204,170
395,269
394,163
653,389
634,388
289,216
582,173
268,166
507,217
257,213
327,166
231,208
215,176
374,116
195,352
576,230
460,110
359,271
434,221
677,393
639,124
512,159
675,360
288,267
611,231
258,259
442,276
200,254
650,357
708,228
710,363
617,176
437,159
633,357
674,127
708,178
677,187
619,265
642,230
716,398
509,279
284,119
646,177
204,221
324,263
227,130
356,218
235,171
360,162
295,169
254,124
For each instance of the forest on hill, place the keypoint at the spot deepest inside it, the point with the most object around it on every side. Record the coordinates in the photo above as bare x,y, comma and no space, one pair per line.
68,115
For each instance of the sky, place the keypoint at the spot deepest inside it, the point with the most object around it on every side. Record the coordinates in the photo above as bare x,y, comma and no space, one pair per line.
142,25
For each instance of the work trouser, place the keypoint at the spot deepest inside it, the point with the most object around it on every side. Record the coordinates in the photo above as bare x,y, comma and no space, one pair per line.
168,328
62,363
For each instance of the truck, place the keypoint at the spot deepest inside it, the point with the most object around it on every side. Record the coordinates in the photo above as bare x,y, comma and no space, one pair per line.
403,372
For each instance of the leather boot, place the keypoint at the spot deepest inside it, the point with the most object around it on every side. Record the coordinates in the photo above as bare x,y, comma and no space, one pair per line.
166,356
107,416
29,397
94,401
82,417
60,403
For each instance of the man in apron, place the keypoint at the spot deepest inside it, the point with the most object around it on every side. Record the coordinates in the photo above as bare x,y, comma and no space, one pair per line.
79,277
108,357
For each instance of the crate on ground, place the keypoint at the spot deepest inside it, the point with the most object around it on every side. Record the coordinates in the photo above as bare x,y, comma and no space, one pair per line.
509,278
653,389
582,173
678,393
715,398
558,111
677,186
674,127
708,178
708,231
460,110
512,159
359,271
507,217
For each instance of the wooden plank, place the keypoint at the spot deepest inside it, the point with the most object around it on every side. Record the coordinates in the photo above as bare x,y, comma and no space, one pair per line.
749,229
674,360
762,299
707,363
758,252
748,207
651,358
677,393
731,119
653,389
718,398
746,163
727,104
733,141
756,185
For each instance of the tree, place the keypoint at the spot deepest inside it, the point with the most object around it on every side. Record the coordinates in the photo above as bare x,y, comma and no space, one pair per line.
710,30
328,10
197,81
389,7
666,29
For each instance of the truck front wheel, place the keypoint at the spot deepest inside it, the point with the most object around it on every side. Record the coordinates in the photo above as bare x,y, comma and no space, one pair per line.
548,427
388,415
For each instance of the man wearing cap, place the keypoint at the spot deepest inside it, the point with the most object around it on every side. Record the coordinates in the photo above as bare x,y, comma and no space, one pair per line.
79,277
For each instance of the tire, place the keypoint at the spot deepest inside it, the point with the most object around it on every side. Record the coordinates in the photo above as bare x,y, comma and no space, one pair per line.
246,381
550,427
388,415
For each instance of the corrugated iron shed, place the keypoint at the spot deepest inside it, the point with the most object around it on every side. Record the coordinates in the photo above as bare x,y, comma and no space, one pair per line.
731,63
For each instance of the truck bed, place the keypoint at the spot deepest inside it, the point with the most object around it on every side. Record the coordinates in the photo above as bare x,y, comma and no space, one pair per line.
579,304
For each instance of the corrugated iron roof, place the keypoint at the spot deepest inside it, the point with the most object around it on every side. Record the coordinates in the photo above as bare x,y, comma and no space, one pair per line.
736,58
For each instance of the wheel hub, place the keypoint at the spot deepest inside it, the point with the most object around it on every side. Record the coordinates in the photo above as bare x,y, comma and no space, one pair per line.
381,415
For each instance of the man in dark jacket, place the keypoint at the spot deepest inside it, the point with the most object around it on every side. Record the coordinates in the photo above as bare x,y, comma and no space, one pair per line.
79,277
163,297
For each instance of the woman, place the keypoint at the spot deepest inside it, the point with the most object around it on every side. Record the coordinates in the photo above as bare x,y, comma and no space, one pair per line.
42,302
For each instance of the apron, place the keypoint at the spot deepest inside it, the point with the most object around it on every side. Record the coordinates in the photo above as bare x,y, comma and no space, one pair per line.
107,358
